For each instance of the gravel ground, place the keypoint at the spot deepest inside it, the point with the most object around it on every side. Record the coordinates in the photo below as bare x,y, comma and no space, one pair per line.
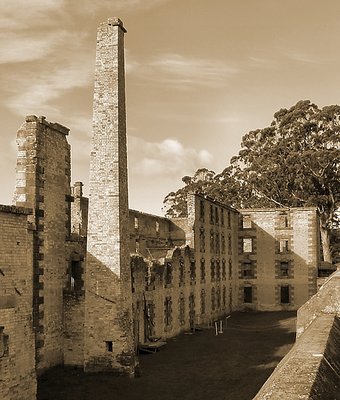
230,366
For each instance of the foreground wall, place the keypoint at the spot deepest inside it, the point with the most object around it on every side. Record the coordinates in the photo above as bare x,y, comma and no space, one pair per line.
17,345
311,370
43,184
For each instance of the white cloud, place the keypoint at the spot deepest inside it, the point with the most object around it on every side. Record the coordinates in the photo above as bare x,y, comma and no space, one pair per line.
21,14
178,70
22,48
34,94
167,158
305,58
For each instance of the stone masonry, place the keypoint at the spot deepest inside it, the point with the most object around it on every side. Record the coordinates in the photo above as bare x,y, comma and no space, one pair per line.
43,184
17,345
109,339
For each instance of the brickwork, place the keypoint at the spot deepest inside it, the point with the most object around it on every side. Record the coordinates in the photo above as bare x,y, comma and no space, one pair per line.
109,339
177,283
79,210
74,302
284,257
17,345
43,184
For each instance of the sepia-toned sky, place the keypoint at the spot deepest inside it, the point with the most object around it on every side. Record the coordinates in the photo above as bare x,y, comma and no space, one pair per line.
200,74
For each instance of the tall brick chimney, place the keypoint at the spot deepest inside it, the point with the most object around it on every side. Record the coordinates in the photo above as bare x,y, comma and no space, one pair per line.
108,306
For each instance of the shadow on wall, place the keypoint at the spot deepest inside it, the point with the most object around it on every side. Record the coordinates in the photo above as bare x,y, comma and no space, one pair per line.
108,342
271,273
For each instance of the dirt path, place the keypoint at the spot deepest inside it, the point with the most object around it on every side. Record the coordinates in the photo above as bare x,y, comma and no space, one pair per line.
230,366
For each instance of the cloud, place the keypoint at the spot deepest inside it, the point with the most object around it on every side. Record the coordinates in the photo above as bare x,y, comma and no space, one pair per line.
167,158
305,58
16,48
19,14
34,93
182,71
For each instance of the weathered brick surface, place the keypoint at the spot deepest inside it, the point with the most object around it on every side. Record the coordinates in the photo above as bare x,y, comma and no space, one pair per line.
194,280
43,184
269,229
17,346
108,308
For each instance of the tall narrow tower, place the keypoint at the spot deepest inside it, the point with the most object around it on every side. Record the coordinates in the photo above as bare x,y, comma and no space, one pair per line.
108,305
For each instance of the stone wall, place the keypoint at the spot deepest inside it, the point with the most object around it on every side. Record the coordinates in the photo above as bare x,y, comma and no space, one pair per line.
278,258
311,369
179,288
43,184
74,302
17,345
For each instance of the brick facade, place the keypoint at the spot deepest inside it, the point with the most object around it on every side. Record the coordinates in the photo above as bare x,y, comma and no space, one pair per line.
43,184
281,265
17,345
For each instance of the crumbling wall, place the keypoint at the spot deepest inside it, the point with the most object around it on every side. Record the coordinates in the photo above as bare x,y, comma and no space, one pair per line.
79,210
43,184
74,302
17,345
152,236
179,288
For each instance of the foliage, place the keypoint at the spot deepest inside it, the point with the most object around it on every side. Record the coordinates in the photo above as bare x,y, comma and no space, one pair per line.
294,162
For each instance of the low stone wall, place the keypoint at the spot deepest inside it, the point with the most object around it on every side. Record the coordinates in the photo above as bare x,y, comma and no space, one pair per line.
311,370
325,301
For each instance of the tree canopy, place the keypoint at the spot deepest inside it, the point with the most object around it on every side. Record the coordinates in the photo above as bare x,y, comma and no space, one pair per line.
294,162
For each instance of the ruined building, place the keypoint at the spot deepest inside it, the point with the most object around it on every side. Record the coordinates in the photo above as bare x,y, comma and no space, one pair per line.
84,282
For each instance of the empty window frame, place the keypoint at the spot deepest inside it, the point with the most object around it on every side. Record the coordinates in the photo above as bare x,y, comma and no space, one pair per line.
284,245
76,282
285,294
247,270
216,215
213,299
212,271
181,310
181,272
247,245
202,301
192,270
167,311
202,270
247,294
211,214
283,220
284,269
217,242
212,242
109,346
168,273
202,240
246,222
202,210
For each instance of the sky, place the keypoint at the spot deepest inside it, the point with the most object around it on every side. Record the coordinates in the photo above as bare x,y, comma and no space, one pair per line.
199,75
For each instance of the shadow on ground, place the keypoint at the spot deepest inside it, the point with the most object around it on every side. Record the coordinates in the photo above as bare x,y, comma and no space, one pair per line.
230,366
